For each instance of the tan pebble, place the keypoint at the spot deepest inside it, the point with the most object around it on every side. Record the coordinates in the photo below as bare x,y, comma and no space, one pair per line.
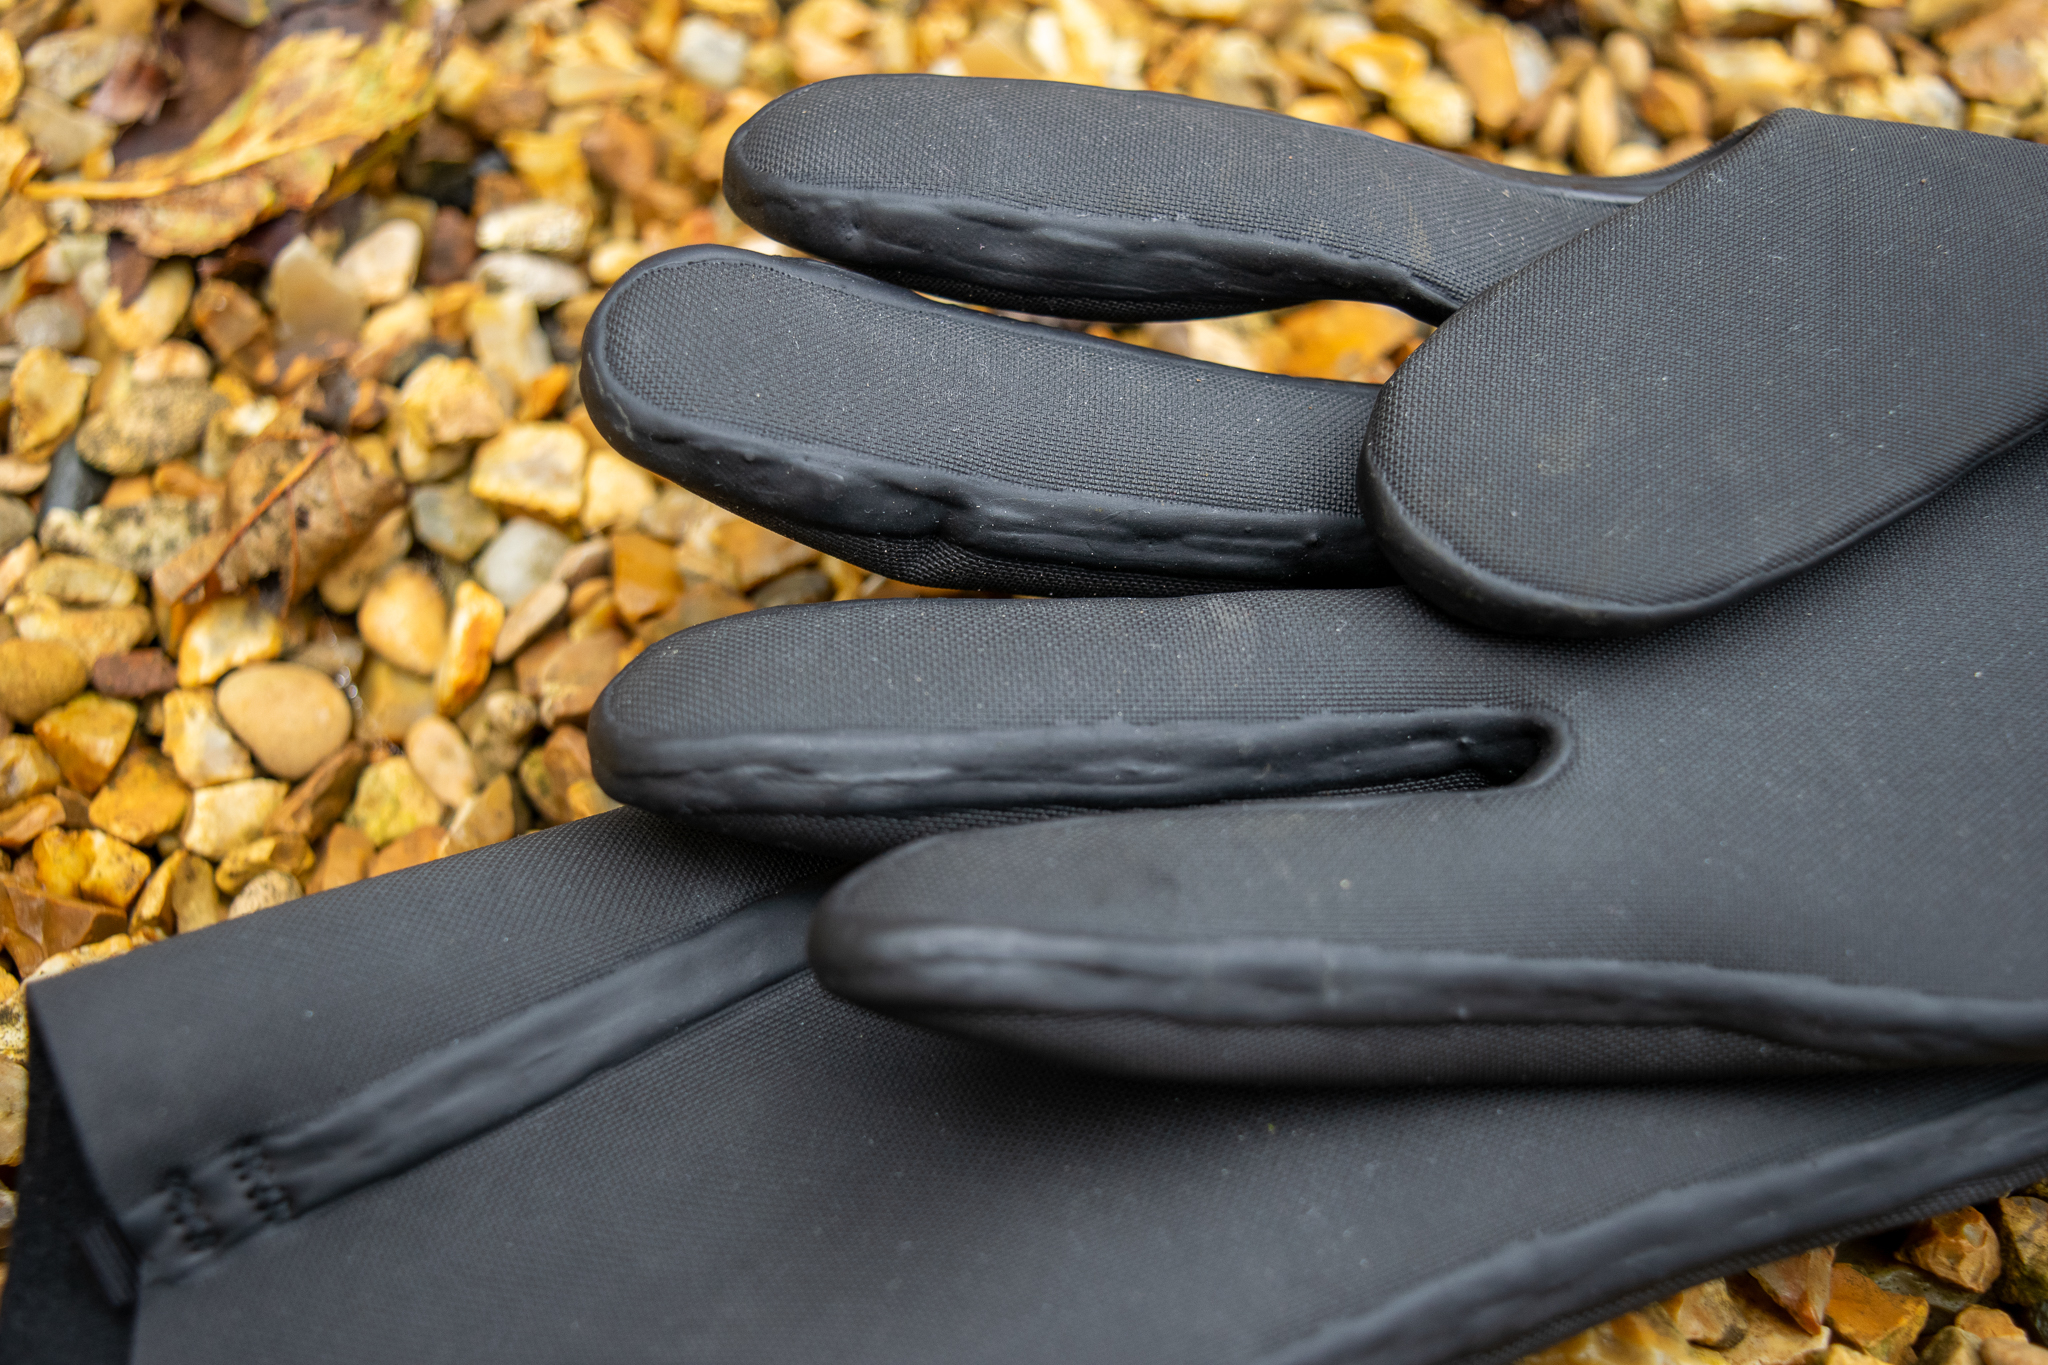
392,699
1960,1247
585,798
90,865
525,622
179,897
1951,1346
15,566
43,923
534,467
344,586
81,582
152,423
171,360
155,313
26,769
551,770
92,633
1484,64
283,852
59,963
1985,1322
445,407
496,726
143,801
227,633
700,602
87,736
504,328
645,580
421,845
441,757
13,1112
486,818
312,301
21,822
229,815
265,890
466,657
203,749
1769,1337
1799,1284
2003,1351
616,491
1644,1338
48,393
36,675
1874,1319
758,554
290,716
317,802
568,686
1707,1315
404,618
345,857
585,560
382,264
392,800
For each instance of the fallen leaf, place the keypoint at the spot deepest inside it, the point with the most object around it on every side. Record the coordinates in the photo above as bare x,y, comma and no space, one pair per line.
315,102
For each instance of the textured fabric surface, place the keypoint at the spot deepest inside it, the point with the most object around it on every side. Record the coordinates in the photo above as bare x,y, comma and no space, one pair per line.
755,346
1639,423
1838,777
1457,224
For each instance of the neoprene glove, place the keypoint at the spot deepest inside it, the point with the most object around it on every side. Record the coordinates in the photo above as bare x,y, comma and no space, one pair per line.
1804,832
575,1098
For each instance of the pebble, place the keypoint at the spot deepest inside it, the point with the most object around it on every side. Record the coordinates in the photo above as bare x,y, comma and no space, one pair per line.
2000,1351
1644,1338
139,536
616,492
709,53
201,747
227,633
520,559
311,299
63,134
798,585
550,772
171,360
156,312
279,852
21,822
533,467
392,339
86,864
440,755
466,658
151,424
1800,1285
26,769
538,281
91,633
1707,1315
585,560
404,618
410,849
392,800
1951,1346
313,806
645,580
87,736
70,63
444,407
392,699
1878,1322
2023,1247
17,524
45,924
568,685
756,554
290,716
496,726
1986,1323
451,521
15,564
344,858
383,263
504,328
143,801
51,320
344,586
226,816
486,818
48,391
190,895
265,890
82,582
536,225
1769,1339
524,624
13,1113
1960,1247
137,673
36,675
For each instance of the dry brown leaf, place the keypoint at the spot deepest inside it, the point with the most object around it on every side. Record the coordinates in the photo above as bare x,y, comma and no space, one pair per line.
316,101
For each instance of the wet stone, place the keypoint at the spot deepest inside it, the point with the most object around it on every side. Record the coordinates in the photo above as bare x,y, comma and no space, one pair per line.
391,801
645,580
48,393
180,896
22,822
200,745
567,687
143,801
152,424
290,716
87,736
1642,1338
451,521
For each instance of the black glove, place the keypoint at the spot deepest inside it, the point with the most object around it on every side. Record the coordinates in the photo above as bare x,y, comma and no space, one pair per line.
1818,327
472,1111
1803,833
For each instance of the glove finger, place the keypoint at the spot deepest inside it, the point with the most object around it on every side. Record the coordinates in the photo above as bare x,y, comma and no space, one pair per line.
956,449
793,1179
1626,435
1080,202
